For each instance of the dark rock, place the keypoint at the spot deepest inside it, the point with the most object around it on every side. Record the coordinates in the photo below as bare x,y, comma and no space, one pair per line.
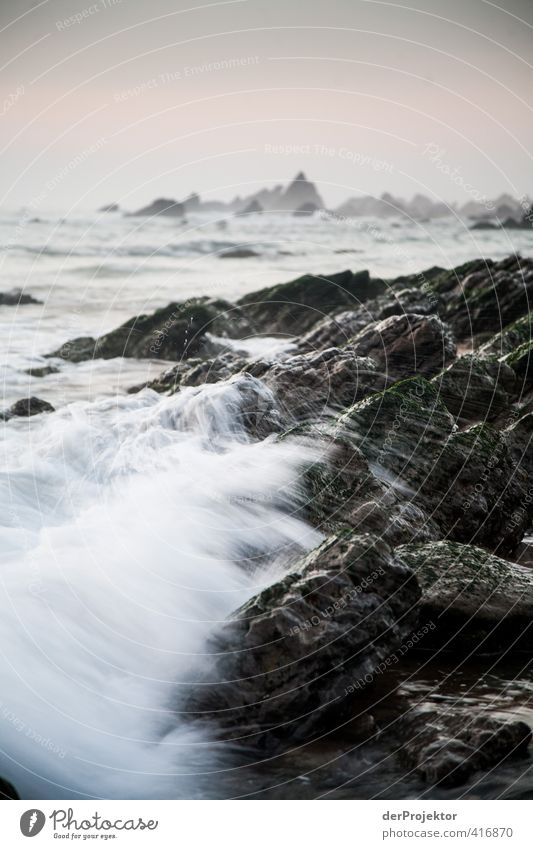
161,207
238,253
446,748
467,481
482,297
485,225
479,602
512,337
316,384
42,371
301,191
27,407
175,332
305,210
476,388
7,791
285,662
405,345
110,207
253,208
294,307
16,297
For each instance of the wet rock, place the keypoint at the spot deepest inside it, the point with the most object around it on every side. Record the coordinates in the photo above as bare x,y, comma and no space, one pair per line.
294,307
333,331
42,371
476,388
175,332
467,481
16,297
283,665
344,493
407,344
316,384
27,407
479,602
512,337
483,296
446,748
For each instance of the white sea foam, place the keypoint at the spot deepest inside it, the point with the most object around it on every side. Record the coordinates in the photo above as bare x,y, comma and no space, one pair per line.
131,527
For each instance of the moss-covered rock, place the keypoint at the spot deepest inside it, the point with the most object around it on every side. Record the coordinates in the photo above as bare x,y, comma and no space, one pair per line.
478,602
286,661
466,481
175,332
294,307
476,388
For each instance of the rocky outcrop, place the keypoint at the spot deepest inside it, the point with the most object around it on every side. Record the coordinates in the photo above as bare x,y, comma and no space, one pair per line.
293,308
482,297
446,747
467,481
299,192
479,602
404,345
305,210
16,297
165,207
477,389
27,407
311,386
175,332
252,208
286,661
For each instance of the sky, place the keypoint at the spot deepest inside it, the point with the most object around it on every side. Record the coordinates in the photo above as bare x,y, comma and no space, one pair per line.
124,101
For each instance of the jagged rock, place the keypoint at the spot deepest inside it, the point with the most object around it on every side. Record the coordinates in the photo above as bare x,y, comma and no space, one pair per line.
315,384
405,345
27,407
301,191
161,207
512,337
175,332
343,492
293,307
337,330
482,297
16,297
467,481
476,388
478,602
446,748
283,665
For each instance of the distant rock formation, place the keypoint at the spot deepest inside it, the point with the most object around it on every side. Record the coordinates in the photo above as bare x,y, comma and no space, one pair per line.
299,193
161,206
253,208
306,209
110,207
193,203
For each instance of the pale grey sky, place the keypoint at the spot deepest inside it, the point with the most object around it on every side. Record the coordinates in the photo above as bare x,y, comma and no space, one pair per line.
126,100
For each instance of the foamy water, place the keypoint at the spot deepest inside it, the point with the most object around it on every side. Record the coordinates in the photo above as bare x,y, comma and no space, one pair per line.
134,527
